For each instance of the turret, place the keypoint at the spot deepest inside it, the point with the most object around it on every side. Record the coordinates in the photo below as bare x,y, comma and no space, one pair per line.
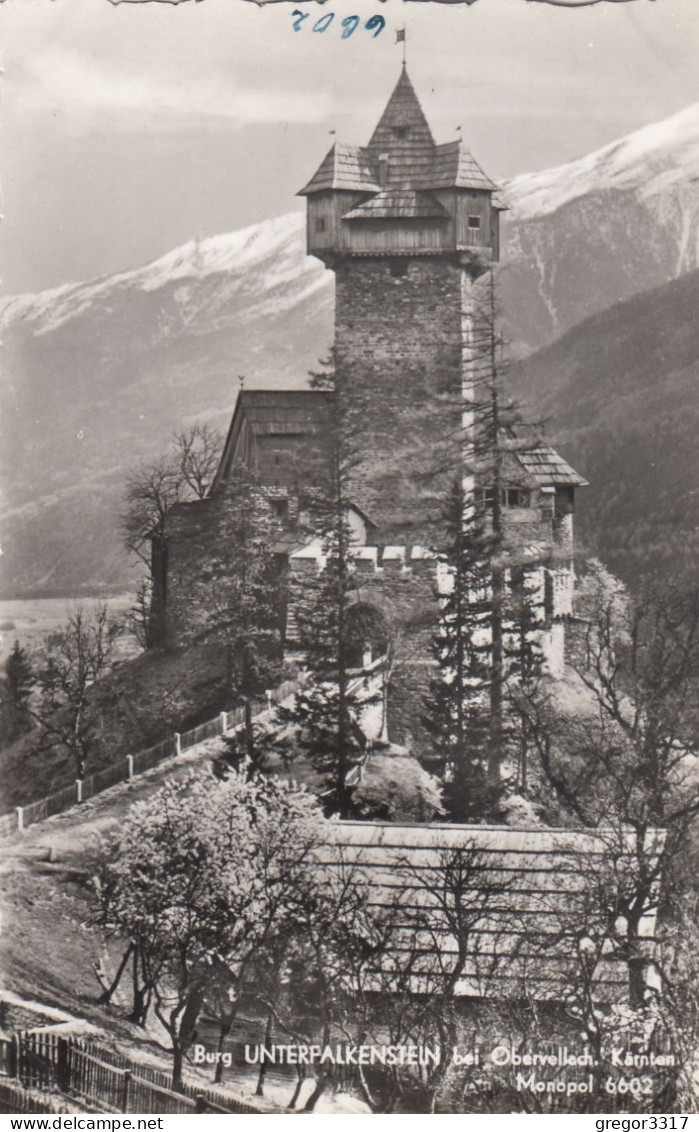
403,195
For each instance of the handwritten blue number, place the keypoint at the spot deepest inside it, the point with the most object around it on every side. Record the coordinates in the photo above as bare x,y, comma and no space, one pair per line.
324,22
301,17
349,26
377,22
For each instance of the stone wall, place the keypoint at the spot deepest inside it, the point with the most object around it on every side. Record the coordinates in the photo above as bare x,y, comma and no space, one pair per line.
401,582
404,583
399,344
200,547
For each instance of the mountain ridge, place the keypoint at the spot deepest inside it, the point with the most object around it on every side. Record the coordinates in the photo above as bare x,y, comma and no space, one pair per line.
99,373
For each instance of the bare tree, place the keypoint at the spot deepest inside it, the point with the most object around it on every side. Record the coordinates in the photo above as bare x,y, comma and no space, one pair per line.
197,452
75,659
185,472
152,490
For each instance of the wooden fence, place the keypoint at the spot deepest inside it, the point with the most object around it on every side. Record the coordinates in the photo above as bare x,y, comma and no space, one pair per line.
132,765
52,1065
16,1100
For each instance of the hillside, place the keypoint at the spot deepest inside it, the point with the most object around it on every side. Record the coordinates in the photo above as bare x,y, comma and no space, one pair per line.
99,374
623,391
96,375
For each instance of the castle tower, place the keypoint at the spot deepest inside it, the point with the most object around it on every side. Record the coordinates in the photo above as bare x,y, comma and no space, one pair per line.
407,226
410,228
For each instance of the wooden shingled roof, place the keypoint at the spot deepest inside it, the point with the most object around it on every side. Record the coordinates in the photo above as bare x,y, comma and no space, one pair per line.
454,167
547,468
344,167
415,161
273,412
531,898
403,132
396,203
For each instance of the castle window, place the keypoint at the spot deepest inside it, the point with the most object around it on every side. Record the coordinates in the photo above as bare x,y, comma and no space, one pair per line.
509,497
484,496
515,497
474,221
320,223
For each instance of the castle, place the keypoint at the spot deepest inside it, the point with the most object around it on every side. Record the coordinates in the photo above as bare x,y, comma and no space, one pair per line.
409,227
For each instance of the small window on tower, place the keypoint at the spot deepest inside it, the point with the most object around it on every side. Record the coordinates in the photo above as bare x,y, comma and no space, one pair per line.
474,221
401,131
320,223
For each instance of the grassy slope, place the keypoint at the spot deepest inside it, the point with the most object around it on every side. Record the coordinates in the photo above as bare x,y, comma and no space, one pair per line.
143,701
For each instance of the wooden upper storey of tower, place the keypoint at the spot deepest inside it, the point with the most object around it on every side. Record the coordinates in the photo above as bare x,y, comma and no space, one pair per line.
402,194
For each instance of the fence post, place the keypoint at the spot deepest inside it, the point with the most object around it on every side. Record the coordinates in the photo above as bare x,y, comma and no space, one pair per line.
125,1087
129,767
200,1103
62,1069
79,789
20,818
224,716
178,743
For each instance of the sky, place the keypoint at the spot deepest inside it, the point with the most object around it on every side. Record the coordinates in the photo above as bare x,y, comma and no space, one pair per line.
129,129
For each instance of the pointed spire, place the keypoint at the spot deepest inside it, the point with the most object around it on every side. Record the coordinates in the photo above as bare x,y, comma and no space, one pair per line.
403,134
403,120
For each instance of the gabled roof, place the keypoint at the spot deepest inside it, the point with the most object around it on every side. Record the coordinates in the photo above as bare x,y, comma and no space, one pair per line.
526,891
405,204
273,412
344,167
547,468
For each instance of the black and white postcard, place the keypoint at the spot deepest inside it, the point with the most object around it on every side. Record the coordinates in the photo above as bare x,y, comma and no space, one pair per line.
349,674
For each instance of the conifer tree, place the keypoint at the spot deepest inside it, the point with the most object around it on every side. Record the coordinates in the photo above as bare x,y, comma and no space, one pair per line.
458,706
487,631
16,693
240,596
322,724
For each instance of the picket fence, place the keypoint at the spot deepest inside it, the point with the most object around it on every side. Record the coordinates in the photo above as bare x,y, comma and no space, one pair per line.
97,1077
123,770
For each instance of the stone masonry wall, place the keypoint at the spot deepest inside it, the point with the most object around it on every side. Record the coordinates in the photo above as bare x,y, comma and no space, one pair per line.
198,549
401,582
398,342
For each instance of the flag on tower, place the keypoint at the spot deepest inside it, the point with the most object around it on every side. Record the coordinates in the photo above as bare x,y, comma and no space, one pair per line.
400,38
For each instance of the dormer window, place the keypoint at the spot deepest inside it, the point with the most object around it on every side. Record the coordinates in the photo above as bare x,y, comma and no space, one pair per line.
401,131
474,221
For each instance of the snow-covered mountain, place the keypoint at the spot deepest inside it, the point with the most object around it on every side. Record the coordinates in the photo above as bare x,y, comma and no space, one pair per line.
660,162
262,266
96,375
590,233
